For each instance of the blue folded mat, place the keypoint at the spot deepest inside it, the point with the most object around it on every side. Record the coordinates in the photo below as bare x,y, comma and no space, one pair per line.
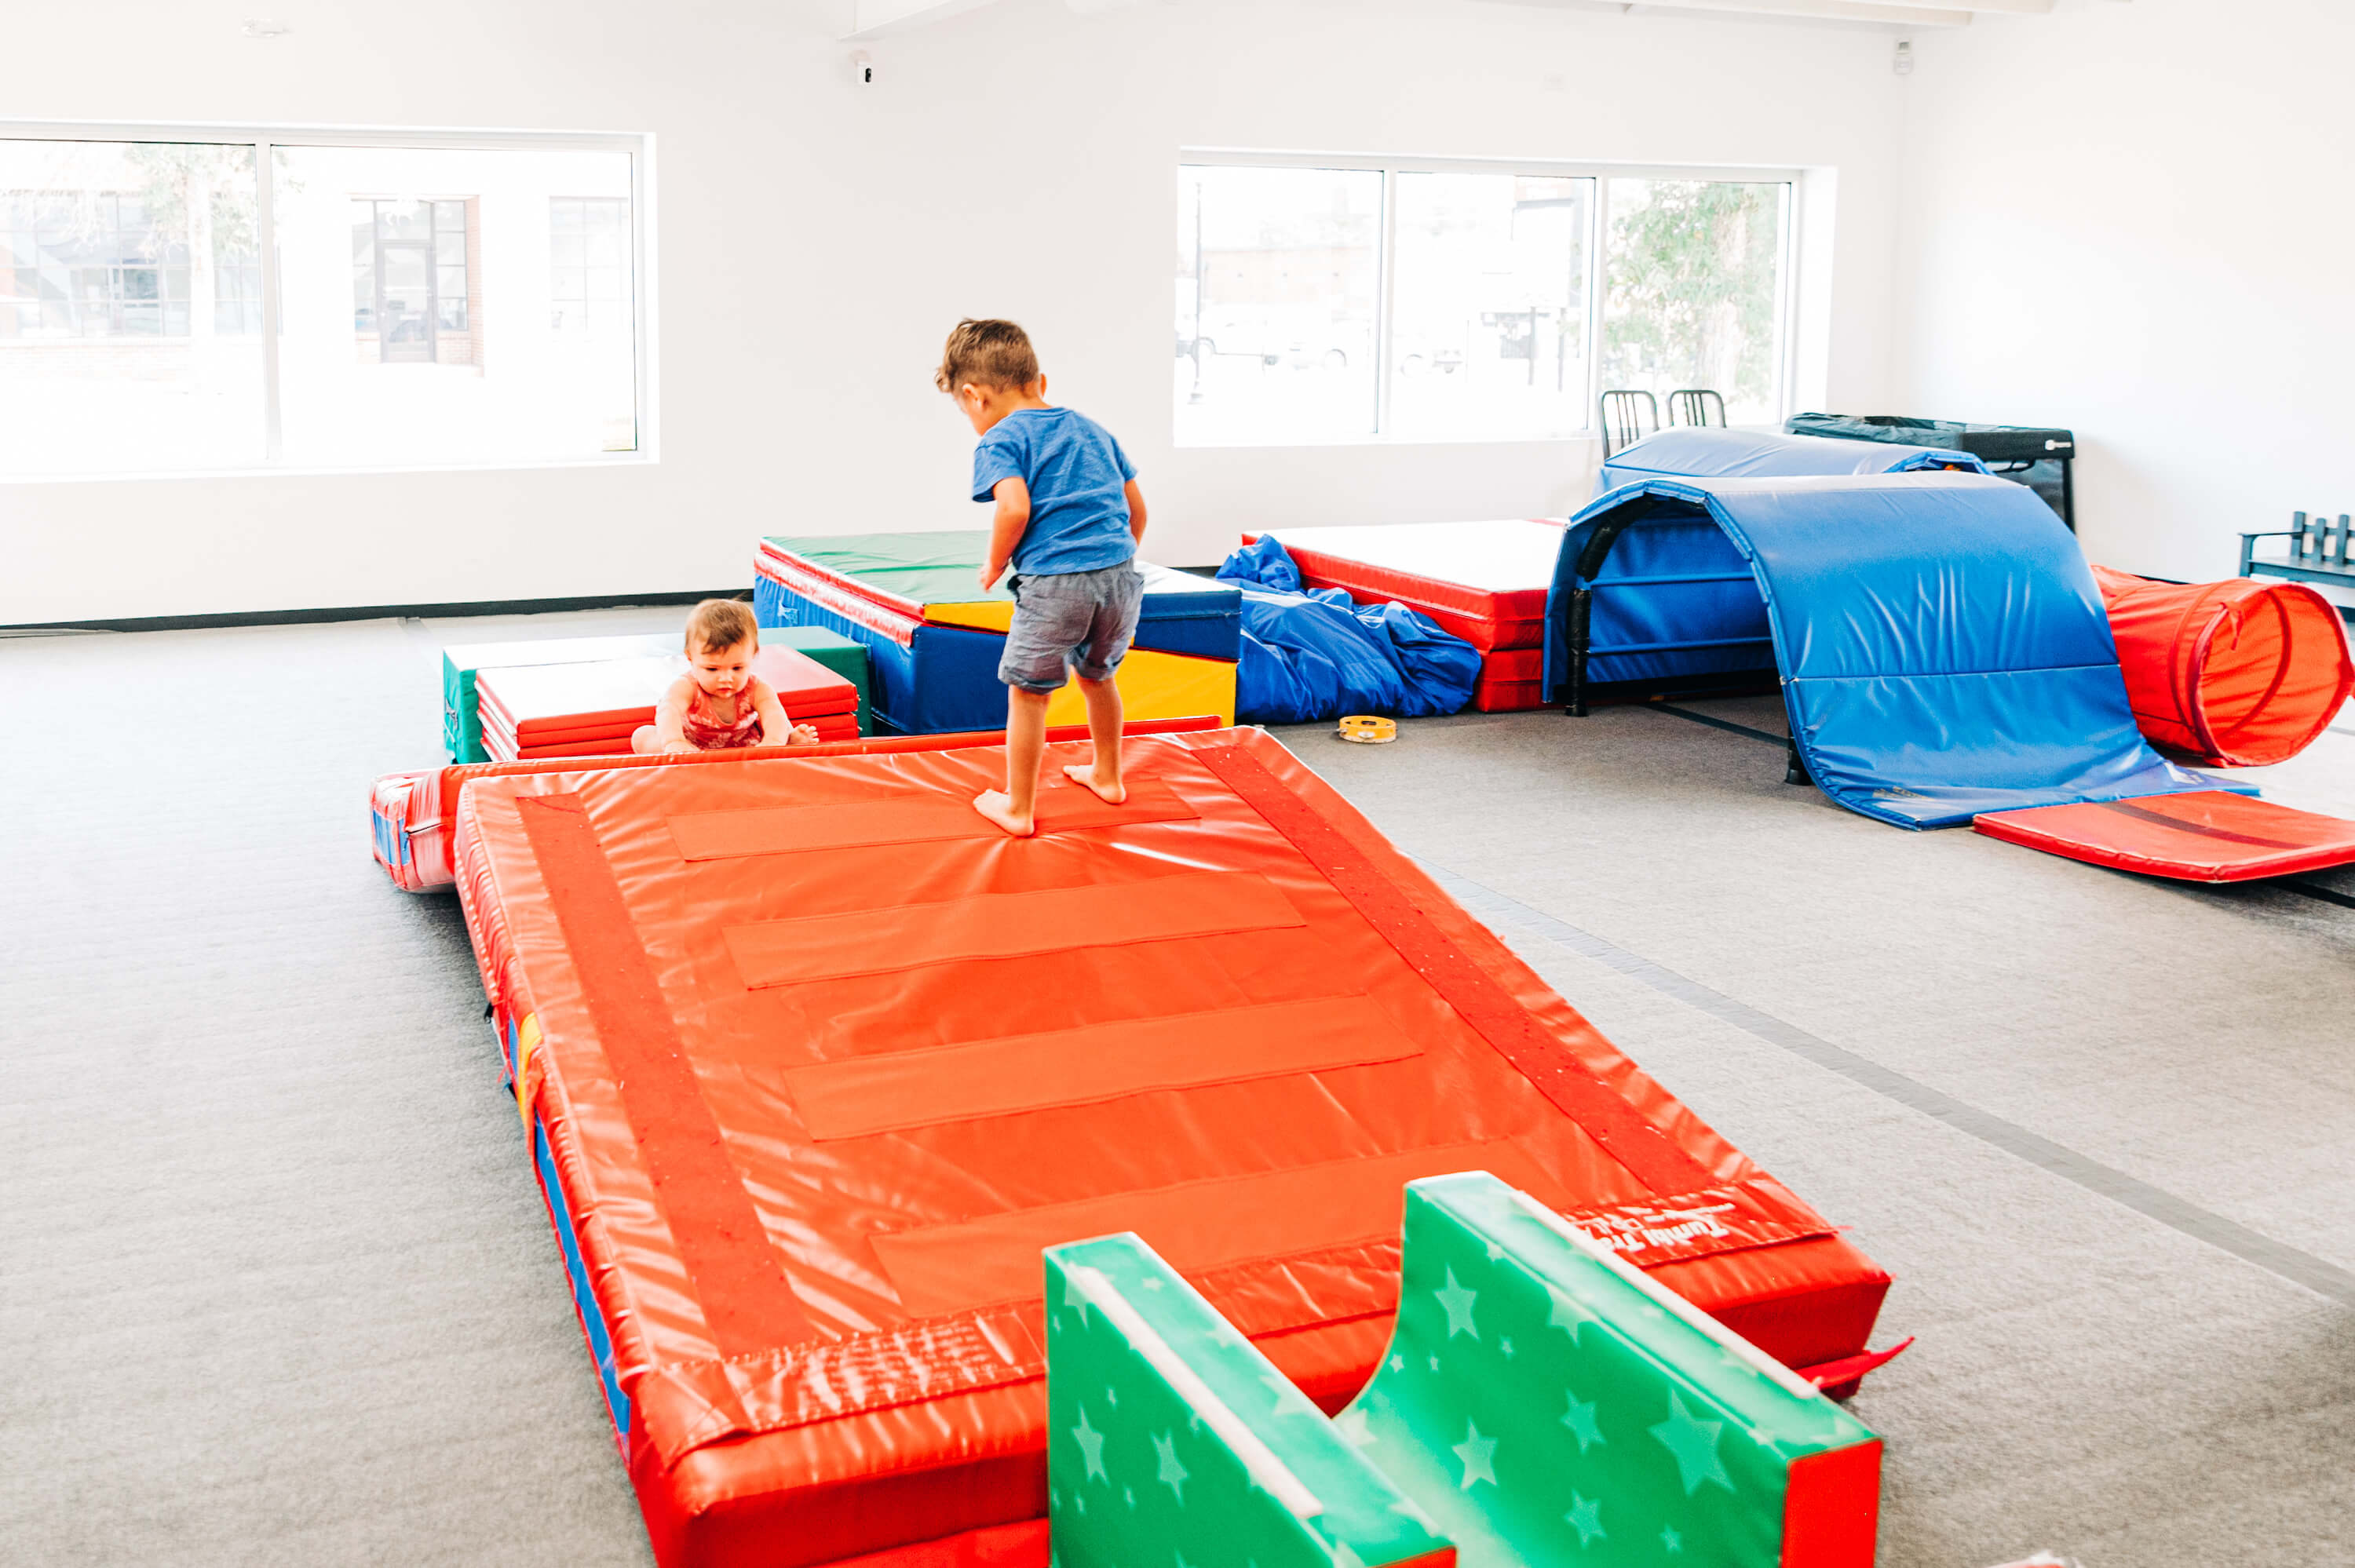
1308,656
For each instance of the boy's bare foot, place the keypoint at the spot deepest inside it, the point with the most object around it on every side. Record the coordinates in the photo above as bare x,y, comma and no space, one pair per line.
1085,775
999,807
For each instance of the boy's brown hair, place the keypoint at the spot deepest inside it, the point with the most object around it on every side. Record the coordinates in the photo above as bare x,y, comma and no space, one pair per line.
718,623
988,353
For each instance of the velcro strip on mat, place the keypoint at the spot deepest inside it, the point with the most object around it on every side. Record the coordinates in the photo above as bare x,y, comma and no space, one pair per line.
728,1256
1196,1226
1007,926
1102,1062
1650,1154
910,818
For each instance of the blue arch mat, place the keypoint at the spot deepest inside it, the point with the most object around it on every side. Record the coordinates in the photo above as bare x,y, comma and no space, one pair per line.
1708,452
1942,646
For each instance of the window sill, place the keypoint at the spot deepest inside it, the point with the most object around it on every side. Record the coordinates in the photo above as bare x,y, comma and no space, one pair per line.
1359,443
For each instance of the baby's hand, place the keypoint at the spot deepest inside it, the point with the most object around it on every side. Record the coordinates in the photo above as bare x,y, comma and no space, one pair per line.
802,735
989,576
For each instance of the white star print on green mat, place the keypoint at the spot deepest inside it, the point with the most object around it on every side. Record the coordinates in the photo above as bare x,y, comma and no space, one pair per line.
1456,1302
1583,1425
1171,1473
1585,1516
1475,1451
1209,1457
1642,1434
1694,1442
1091,1444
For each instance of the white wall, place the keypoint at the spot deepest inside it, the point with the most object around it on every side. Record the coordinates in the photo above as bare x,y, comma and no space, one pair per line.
817,239
2134,220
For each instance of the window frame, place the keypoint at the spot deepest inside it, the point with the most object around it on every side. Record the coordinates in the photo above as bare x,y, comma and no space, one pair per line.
1786,334
586,205
264,139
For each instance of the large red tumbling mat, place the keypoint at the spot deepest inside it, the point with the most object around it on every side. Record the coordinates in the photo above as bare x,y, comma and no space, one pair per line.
815,1062
592,709
412,816
2202,836
2238,674
1485,582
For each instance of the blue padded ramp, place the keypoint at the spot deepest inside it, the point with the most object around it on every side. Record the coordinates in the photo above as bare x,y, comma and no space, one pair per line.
1942,648
1704,452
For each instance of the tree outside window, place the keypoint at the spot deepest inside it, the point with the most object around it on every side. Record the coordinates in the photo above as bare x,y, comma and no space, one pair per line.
1694,291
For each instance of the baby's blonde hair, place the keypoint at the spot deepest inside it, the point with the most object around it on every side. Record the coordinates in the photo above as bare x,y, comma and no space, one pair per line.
718,623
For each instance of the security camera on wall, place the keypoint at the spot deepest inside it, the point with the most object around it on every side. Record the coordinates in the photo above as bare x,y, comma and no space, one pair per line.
862,67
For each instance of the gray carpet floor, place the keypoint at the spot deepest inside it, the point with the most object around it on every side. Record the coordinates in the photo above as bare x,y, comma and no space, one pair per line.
277,1287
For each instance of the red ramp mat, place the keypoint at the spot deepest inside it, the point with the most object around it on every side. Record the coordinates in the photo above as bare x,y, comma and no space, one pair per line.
1485,582
820,1069
2203,836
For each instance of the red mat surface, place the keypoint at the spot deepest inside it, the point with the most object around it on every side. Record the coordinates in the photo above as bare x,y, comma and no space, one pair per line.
821,1066
2204,836
1485,582
414,815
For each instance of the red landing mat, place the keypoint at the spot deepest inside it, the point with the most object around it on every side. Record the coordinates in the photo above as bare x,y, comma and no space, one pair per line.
1485,582
821,1064
2207,836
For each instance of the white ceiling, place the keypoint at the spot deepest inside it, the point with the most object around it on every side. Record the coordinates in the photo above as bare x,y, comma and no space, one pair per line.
874,18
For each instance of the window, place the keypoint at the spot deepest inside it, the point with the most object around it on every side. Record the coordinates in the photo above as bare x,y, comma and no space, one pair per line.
411,271
1279,278
588,265
114,350
431,301
1695,291
1468,301
1491,309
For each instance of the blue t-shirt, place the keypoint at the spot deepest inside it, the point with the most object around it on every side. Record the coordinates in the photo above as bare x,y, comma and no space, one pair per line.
1078,477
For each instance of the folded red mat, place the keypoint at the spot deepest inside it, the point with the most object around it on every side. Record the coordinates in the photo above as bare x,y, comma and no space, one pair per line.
2207,835
1485,582
829,727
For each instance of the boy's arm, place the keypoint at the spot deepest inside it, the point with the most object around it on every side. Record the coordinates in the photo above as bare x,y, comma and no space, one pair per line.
1006,528
1136,512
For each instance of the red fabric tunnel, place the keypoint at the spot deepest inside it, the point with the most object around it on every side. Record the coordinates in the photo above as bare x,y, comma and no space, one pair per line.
2239,673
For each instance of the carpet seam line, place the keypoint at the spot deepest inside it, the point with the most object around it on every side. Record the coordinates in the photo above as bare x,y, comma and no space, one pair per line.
2292,1264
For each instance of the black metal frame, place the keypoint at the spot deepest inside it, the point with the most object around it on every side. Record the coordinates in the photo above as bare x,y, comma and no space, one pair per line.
1579,692
1622,426
1692,405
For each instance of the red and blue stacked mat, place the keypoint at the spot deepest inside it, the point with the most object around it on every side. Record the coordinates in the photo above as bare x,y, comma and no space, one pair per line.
1485,582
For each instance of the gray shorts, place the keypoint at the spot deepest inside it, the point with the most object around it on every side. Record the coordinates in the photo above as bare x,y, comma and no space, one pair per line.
1083,620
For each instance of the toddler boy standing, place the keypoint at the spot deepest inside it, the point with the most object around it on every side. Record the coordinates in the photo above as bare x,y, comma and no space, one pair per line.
1068,520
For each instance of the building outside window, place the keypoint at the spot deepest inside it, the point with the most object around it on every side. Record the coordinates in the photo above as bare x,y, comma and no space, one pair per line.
412,271
588,265
462,299
1461,301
